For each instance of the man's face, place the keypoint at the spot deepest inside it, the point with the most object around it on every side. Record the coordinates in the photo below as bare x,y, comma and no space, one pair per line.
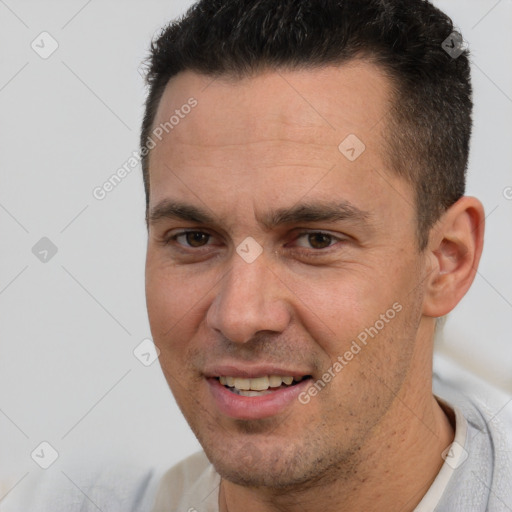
259,158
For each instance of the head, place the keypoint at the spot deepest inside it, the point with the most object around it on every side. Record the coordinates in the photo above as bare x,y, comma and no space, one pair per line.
273,251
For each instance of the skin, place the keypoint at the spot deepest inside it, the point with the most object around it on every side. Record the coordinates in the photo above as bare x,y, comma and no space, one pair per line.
372,438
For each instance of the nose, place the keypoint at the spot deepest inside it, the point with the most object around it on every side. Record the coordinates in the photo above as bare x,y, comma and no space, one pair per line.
251,299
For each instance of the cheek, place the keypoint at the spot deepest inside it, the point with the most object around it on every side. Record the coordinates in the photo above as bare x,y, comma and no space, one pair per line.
168,311
177,304
169,298
369,306
162,304
335,307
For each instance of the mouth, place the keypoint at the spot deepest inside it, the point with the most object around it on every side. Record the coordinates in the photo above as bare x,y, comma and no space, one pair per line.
259,386
256,396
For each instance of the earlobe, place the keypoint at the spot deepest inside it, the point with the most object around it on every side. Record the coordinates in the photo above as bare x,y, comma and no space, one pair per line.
454,251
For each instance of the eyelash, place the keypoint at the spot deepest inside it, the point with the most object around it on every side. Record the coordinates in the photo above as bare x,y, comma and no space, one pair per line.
305,251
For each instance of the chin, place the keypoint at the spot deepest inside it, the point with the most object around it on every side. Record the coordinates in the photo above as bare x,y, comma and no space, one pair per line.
284,466
275,468
259,475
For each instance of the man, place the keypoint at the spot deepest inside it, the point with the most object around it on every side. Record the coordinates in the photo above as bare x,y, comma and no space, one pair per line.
304,165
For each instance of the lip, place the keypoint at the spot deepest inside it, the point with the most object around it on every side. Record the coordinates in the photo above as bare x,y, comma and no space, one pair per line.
257,407
252,371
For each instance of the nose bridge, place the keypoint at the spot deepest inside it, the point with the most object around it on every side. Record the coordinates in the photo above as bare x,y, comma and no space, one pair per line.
244,283
248,301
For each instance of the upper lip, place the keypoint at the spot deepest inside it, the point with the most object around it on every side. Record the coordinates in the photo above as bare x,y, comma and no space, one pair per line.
251,371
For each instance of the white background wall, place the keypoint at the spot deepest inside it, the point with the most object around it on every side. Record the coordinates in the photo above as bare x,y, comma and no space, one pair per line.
68,326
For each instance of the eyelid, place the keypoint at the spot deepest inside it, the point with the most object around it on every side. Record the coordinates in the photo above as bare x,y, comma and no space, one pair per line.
173,234
338,237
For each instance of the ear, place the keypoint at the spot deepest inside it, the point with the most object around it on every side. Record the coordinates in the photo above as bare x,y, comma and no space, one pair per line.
453,253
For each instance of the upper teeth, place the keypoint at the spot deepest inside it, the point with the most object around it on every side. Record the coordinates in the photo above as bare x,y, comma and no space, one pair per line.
258,383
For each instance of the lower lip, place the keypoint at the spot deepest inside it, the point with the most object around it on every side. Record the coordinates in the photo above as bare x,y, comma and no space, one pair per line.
254,407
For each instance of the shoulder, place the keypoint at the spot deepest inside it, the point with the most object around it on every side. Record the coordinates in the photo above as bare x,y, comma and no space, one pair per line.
86,489
482,482
189,485
484,406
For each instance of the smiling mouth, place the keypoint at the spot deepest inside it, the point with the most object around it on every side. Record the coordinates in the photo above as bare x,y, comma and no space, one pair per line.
259,386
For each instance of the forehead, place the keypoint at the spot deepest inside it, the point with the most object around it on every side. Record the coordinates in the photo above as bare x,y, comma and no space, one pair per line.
272,136
354,96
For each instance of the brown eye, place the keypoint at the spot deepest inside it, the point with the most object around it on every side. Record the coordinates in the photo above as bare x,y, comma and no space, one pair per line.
196,238
319,240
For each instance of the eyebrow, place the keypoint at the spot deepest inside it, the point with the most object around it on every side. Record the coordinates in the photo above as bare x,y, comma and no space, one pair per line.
308,212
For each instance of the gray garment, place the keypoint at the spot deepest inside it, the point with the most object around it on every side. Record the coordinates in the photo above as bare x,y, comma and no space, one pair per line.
75,489
483,482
